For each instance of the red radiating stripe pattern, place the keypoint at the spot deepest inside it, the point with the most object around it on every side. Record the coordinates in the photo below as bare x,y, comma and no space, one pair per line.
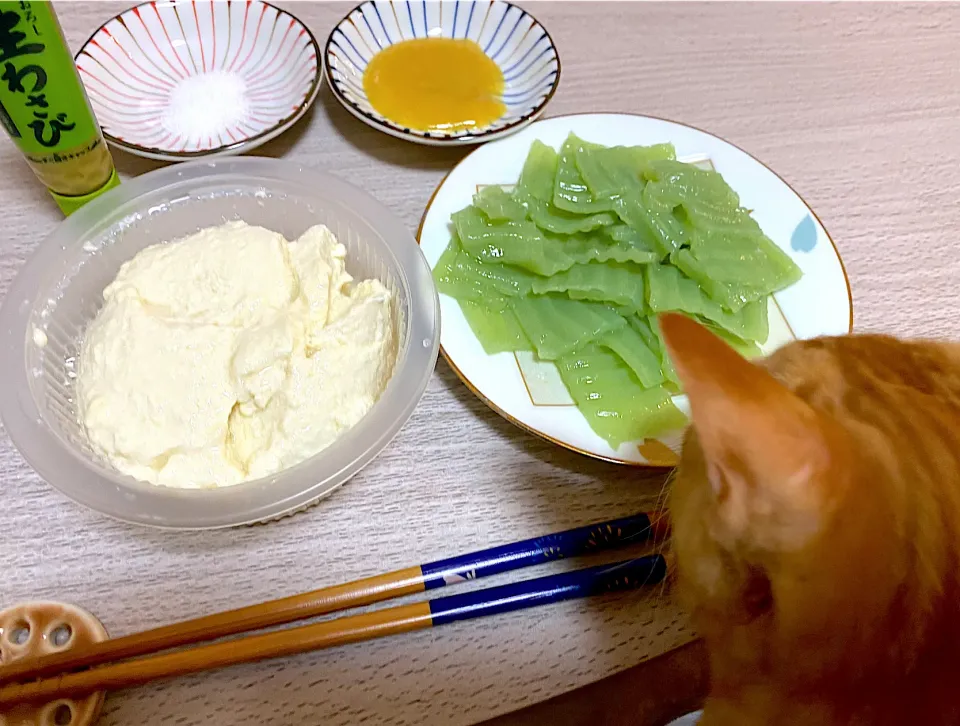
135,64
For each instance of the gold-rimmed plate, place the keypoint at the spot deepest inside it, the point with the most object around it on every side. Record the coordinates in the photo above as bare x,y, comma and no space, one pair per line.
529,392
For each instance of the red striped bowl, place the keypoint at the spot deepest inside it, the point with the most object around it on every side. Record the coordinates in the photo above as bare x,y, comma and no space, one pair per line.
177,80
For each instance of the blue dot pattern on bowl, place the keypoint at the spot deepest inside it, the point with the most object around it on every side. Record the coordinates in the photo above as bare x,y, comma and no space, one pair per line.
804,237
510,36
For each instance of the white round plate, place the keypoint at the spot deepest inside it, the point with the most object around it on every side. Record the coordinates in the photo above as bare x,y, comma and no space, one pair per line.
509,35
177,80
819,304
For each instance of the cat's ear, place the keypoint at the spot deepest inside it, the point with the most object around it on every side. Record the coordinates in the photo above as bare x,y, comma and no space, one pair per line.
762,444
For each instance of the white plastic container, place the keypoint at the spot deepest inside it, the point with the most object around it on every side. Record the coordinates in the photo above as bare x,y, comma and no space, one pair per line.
58,292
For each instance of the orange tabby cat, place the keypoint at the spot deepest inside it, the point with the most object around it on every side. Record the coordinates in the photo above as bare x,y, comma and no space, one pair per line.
816,519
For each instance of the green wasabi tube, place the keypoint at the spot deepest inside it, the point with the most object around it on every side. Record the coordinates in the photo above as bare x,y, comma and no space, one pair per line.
45,109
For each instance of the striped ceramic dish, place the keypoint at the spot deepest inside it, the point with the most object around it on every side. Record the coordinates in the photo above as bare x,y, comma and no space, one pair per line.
177,80
509,35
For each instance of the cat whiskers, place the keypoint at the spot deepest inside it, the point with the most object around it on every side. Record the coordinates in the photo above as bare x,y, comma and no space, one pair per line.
661,497
662,546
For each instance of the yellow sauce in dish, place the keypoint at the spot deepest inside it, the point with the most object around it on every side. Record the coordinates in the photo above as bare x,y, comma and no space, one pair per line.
435,84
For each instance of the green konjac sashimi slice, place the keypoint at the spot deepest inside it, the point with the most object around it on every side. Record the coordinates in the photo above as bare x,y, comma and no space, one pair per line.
633,349
744,258
506,280
515,243
749,324
616,283
672,383
558,325
701,216
499,205
452,281
655,223
586,249
734,271
548,217
641,324
464,278
732,296
495,326
669,290
631,236
462,287
746,348
539,173
662,211
612,400
570,191
444,267
693,183
535,191
522,244
611,172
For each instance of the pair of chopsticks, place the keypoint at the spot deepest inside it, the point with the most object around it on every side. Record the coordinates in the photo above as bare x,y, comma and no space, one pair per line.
108,665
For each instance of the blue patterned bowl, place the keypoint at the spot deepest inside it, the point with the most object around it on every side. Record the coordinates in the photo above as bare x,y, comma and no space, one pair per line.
510,36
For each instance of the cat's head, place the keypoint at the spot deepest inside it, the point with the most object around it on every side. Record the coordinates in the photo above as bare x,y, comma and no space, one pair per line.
807,510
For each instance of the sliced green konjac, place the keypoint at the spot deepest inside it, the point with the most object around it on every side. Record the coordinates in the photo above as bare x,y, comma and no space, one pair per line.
617,283
746,348
654,221
669,290
514,243
499,205
570,191
694,183
611,172
749,324
558,325
546,216
539,173
583,249
632,236
444,267
535,192
669,371
731,295
463,277
611,398
506,280
641,323
699,216
495,326
649,330
453,281
593,242
633,349
734,278
744,258
673,233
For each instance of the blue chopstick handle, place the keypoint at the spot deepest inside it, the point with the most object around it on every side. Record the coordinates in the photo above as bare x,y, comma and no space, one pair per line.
572,542
624,575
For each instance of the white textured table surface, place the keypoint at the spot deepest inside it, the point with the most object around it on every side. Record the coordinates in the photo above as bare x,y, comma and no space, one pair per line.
856,105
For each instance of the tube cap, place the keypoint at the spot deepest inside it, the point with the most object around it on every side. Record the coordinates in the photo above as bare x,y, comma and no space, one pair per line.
69,204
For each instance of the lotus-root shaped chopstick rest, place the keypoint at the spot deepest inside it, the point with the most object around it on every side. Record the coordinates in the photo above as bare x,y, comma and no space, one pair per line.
38,628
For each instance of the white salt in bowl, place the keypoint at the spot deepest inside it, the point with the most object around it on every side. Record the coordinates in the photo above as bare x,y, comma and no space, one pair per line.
59,291
177,80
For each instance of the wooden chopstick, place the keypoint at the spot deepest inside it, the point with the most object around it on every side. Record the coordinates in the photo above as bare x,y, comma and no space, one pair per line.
628,574
569,543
